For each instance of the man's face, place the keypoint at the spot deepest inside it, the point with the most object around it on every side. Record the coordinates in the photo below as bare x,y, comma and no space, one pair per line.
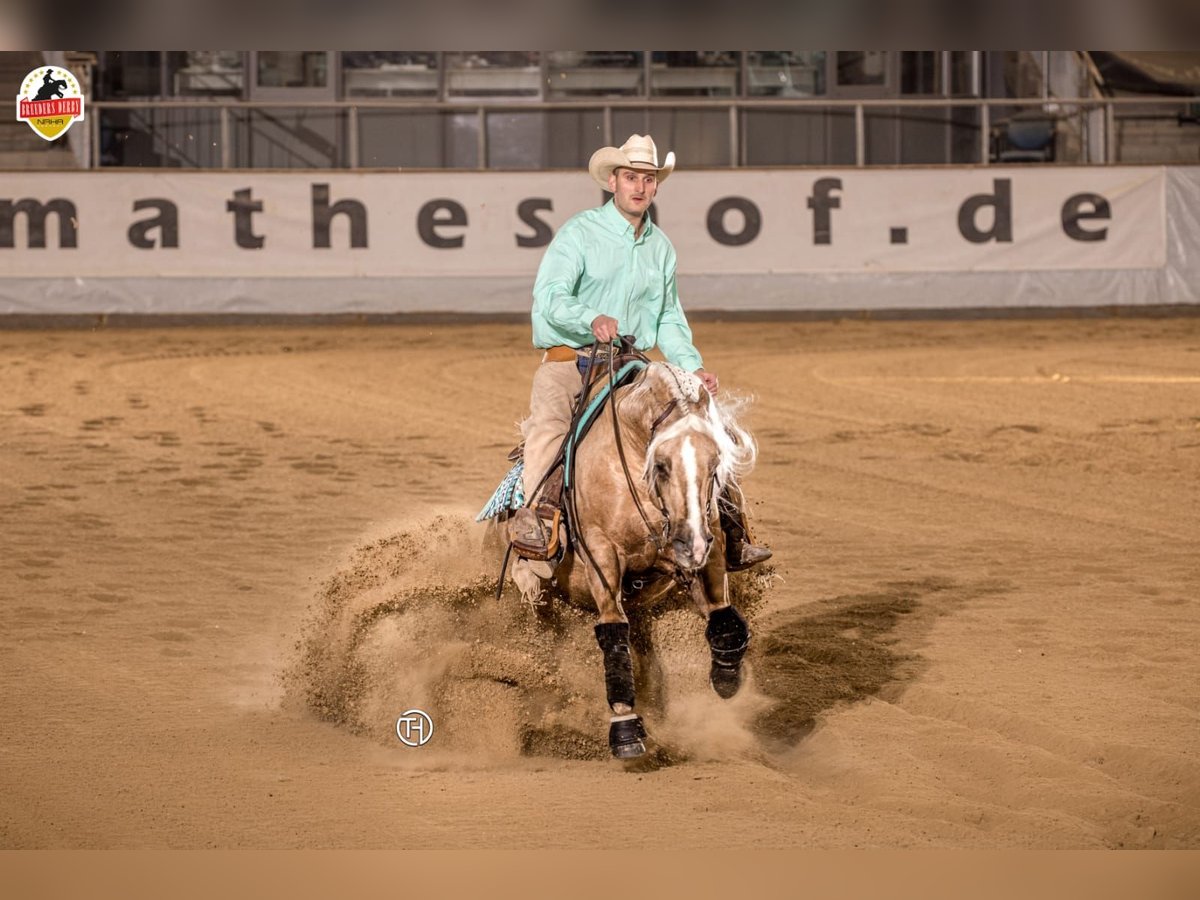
633,192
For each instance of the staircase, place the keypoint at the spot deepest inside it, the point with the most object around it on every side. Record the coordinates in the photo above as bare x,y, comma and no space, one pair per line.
20,147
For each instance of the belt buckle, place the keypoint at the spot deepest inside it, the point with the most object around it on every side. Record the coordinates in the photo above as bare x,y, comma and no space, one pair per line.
584,360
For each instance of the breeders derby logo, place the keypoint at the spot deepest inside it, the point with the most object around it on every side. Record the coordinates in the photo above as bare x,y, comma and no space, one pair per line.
50,101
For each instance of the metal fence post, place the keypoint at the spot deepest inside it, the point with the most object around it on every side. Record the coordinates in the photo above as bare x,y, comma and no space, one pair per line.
985,133
93,160
1110,134
483,147
734,139
860,136
226,150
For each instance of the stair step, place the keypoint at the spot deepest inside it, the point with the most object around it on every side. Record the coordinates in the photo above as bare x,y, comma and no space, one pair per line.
16,65
52,160
27,141
30,143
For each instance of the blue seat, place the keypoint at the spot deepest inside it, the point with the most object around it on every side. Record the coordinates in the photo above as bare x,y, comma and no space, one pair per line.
1027,139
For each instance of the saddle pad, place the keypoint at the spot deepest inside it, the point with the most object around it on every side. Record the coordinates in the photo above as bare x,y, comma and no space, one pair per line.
508,496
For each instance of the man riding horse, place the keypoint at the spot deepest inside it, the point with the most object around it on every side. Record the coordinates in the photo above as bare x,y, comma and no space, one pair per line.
609,271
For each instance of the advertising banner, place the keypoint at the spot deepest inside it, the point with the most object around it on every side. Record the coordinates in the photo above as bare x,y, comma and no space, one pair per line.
256,224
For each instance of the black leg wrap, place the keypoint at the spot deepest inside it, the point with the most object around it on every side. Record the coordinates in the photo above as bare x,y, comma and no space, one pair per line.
626,737
728,638
613,638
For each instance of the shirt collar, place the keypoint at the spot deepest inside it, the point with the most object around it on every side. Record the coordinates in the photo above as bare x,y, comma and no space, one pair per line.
618,223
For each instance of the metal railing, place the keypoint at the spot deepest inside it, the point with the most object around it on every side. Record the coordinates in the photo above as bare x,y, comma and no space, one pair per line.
1090,122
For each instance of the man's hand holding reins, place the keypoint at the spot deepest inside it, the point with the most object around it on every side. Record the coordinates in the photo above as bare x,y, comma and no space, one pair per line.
605,329
709,379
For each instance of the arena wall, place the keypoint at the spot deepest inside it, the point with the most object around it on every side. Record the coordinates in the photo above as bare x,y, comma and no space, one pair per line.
328,242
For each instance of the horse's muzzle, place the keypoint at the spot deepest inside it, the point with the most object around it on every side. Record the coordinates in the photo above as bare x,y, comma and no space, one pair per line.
690,549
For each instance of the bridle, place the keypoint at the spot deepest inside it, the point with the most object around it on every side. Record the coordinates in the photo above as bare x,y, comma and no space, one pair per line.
659,540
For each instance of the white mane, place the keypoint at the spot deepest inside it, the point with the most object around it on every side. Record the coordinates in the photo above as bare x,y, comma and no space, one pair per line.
715,417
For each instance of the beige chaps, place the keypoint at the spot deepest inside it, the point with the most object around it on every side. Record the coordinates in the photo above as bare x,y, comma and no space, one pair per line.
555,385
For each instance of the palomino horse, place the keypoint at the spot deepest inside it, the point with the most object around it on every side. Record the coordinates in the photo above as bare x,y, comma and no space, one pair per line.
646,484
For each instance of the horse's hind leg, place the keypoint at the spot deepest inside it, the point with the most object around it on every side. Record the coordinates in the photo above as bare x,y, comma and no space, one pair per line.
727,633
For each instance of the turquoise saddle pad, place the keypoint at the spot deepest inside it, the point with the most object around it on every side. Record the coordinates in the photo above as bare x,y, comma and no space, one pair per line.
508,496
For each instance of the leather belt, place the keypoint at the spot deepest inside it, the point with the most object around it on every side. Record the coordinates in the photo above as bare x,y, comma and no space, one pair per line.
561,353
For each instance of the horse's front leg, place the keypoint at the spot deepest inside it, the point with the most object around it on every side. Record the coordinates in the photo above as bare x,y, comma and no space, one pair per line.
625,730
727,633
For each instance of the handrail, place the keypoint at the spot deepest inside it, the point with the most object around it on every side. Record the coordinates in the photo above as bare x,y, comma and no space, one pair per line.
639,102
1060,107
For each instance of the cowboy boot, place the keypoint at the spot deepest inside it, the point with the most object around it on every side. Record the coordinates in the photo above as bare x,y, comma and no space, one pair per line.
526,533
537,531
740,550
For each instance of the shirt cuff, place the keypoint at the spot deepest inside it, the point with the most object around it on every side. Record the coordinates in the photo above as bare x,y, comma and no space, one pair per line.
587,316
689,362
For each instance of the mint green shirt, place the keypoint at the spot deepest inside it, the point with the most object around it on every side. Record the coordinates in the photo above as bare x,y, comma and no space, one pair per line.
595,266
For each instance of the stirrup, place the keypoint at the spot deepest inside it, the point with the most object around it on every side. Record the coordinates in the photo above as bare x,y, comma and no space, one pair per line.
537,545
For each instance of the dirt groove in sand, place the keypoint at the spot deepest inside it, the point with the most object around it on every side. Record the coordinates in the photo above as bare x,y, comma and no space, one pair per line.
982,633
414,616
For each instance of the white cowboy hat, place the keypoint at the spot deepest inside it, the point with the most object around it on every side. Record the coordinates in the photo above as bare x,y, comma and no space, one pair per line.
637,153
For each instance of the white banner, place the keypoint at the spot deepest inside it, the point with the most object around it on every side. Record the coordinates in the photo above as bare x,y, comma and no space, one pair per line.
255,224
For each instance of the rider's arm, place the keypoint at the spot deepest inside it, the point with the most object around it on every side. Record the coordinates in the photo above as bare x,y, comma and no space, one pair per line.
674,333
554,299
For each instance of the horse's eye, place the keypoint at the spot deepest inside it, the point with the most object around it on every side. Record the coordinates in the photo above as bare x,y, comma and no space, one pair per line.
662,469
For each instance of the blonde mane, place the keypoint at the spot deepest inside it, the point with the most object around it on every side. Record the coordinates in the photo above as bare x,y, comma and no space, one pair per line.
717,418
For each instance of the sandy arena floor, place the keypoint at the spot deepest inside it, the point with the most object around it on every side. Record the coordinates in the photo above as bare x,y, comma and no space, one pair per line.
983,632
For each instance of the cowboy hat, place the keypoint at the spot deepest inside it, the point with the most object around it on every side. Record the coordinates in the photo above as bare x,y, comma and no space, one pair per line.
638,153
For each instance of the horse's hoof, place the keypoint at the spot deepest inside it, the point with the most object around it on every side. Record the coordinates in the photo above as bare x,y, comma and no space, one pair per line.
625,737
725,680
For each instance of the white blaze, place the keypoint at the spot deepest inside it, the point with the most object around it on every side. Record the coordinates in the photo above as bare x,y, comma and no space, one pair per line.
693,498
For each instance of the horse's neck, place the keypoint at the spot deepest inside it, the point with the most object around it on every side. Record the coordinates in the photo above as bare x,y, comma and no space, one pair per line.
633,414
